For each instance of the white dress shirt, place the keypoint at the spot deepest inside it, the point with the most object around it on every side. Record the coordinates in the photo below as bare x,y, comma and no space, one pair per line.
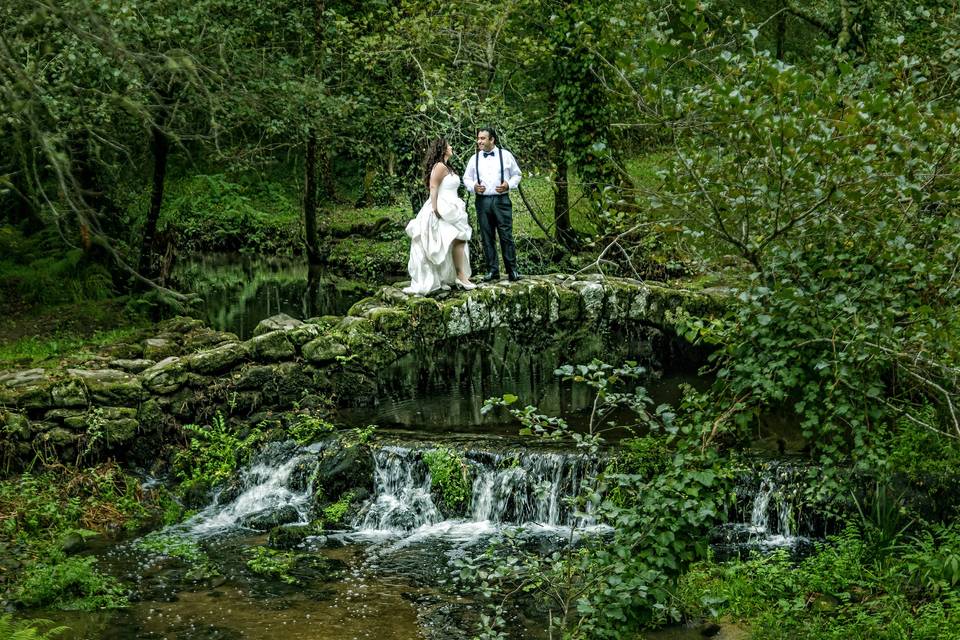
490,172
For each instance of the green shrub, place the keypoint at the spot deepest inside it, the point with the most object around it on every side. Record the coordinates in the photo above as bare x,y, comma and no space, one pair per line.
213,455
69,583
450,477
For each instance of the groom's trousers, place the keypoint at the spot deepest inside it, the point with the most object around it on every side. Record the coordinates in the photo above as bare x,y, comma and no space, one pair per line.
495,217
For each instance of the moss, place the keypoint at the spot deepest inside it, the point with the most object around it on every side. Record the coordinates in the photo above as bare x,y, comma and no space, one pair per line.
450,478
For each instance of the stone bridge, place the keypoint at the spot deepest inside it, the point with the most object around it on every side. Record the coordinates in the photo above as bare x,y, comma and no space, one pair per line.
133,393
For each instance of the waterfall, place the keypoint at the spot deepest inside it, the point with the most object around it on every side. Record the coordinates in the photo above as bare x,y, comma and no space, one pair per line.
507,488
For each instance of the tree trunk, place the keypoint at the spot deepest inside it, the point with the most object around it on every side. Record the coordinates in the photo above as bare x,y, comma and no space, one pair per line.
563,230
310,201
781,32
160,146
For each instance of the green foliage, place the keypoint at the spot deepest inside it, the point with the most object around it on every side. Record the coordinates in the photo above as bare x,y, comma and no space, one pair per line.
216,213
842,591
67,277
173,546
306,428
335,512
272,563
69,583
660,495
450,477
11,629
40,507
214,454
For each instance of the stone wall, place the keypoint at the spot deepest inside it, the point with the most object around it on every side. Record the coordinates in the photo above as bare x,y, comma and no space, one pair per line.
130,395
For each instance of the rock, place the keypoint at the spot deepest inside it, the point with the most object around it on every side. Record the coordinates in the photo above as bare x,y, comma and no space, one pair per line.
68,393
220,358
289,536
16,424
255,376
324,349
205,338
179,324
271,346
110,387
266,520
303,334
132,366
27,389
72,542
60,437
344,468
166,376
159,348
279,322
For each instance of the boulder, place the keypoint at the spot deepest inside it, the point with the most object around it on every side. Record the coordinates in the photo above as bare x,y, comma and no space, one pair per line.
159,348
271,346
166,376
325,349
266,520
135,365
70,392
279,322
219,358
16,424
110,386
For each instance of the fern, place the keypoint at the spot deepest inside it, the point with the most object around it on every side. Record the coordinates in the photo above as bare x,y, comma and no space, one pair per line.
11,629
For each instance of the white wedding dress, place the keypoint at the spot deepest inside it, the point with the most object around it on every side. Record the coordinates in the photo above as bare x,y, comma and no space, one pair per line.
431,240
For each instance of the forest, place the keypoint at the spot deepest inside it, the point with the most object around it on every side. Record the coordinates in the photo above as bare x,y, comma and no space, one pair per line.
720,402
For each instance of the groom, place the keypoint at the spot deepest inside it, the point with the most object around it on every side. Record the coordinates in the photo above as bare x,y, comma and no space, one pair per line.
491,174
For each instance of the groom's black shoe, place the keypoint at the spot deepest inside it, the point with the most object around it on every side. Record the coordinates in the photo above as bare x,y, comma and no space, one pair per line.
513,276
492,276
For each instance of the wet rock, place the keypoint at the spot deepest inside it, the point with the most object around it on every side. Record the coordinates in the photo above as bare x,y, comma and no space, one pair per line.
266,520
303,334
344,468
133,365
290,536
279,322
60,437
271,346
159,348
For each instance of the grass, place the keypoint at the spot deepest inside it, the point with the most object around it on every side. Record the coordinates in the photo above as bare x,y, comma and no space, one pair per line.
47,350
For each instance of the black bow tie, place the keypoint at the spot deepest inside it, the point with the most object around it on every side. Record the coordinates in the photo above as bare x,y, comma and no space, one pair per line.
487,153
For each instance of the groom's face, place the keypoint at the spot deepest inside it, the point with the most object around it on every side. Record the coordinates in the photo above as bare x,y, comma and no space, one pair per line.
484,141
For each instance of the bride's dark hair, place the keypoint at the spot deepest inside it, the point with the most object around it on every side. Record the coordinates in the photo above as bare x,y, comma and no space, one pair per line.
436,149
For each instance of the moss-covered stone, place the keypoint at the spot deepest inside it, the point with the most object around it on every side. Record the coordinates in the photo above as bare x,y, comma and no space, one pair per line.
303,334
278,322
16,425
271,346
219,358
70,392
166,376
159,348
325,349
110,387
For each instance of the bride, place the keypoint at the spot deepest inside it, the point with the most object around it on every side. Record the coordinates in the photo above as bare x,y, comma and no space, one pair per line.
439,255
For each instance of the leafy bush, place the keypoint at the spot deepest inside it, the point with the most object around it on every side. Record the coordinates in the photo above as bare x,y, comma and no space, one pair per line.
69,583
842,591
213,455
450,477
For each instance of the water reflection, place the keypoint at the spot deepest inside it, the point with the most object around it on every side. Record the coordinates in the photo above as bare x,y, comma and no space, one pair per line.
444,388
239,291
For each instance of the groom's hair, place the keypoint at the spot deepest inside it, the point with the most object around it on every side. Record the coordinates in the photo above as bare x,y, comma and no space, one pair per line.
490,132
